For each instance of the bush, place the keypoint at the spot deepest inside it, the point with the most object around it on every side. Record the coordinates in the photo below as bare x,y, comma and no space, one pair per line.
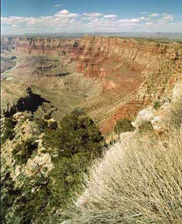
141,183
75,44
78,133
41,198
78,142
42,124
157,105
123,125
22,152
30,203
13,57
8,132
8,195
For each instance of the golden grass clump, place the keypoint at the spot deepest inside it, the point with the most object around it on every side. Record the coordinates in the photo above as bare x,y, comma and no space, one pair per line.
139,181
176,110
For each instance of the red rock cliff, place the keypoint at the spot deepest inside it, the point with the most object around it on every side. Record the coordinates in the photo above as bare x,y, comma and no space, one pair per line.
135,72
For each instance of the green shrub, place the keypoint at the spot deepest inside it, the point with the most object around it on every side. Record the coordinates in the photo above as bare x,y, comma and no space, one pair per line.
41,199
13,57
78,133
78,142
42,124
22,152
157,104
75,44
30,203
123,125
8,132
8,195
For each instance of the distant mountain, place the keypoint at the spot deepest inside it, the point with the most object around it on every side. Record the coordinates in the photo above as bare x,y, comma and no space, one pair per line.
171,35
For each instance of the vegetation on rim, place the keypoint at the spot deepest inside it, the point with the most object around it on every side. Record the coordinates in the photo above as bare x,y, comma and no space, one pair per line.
8,132
73,144
123,125
139,184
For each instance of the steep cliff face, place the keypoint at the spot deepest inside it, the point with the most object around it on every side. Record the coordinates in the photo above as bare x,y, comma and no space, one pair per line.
133,73
155,61
154,67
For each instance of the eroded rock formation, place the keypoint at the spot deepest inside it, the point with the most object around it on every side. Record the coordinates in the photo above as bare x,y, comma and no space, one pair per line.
133,73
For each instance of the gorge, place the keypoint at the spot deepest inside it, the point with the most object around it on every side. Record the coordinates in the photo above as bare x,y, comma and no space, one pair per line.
91,130
110,77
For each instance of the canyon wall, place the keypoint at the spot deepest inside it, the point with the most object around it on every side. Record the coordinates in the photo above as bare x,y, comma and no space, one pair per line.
143,71
102,57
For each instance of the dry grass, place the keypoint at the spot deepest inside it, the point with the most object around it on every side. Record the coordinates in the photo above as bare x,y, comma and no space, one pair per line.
176,110
139,182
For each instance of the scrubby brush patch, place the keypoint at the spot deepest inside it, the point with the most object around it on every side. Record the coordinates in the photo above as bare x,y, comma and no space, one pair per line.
7,128
123,125
43,165
138,182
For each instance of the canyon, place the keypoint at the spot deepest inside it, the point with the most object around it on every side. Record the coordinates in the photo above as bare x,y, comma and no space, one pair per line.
90,125
109,77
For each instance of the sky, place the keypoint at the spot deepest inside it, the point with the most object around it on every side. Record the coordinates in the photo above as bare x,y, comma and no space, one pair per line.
77,16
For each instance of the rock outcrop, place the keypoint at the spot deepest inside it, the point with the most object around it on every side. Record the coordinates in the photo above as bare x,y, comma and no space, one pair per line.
166,117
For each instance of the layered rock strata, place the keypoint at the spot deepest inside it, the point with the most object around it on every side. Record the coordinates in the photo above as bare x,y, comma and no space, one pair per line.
133,73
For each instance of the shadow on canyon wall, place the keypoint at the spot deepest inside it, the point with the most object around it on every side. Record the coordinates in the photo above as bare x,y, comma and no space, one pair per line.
31,103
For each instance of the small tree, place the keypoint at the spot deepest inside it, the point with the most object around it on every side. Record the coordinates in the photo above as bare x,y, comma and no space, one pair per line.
75,44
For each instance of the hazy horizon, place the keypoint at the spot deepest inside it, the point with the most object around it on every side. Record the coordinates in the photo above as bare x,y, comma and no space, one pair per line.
76,16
